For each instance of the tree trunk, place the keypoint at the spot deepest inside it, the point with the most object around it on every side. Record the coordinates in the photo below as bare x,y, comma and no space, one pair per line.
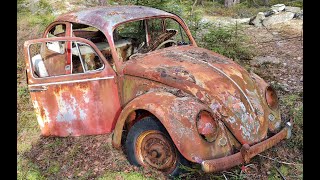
265,2
229,3
200,2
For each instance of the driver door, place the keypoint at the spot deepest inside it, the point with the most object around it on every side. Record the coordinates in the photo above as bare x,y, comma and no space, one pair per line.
75,98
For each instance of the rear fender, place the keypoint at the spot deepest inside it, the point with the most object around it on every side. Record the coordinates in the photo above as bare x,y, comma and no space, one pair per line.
178,115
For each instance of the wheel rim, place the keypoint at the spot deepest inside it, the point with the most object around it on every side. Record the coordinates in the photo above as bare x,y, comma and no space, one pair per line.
154,149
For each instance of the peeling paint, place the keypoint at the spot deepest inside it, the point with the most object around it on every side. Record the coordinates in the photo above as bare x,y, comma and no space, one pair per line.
174,84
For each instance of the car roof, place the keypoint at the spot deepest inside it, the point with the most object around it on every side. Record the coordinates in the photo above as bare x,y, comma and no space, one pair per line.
106,17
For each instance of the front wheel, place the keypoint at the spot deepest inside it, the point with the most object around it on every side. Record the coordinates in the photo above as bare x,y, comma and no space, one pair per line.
148,144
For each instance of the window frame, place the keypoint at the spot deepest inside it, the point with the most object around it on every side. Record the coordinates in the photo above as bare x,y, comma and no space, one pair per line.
177,19
105,69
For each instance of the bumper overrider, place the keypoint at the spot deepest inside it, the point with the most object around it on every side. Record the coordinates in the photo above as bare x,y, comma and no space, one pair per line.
246,152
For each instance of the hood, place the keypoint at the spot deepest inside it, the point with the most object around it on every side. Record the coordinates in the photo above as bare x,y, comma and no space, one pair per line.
227,88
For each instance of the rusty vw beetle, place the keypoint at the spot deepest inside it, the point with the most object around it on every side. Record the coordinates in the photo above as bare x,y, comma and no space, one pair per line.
137,72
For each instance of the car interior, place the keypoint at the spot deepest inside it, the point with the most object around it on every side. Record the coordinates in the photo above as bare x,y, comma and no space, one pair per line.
130,39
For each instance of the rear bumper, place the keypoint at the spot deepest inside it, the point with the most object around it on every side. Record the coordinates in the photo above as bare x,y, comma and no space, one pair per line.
246,152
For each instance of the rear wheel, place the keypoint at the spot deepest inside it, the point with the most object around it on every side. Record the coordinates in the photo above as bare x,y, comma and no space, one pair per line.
149,144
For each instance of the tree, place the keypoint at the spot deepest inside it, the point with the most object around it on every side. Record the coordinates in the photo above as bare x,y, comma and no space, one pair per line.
229,3
265,2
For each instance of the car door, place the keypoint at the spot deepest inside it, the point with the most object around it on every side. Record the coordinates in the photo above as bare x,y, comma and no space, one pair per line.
76,101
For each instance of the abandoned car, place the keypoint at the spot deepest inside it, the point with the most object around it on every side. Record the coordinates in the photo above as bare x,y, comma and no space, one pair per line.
136,72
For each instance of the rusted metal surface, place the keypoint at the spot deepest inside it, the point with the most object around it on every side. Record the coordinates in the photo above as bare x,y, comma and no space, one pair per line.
173,84
245,154
106,19
178,115
217,81
154,149
78,104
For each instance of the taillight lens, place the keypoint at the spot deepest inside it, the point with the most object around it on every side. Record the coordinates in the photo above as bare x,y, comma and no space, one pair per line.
207,126
272,98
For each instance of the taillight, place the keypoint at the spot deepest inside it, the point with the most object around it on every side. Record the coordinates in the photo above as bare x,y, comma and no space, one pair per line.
272,98
207,126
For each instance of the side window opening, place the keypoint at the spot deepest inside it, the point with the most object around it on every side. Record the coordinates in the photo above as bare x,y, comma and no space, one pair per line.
144,36
52,58
97,37
181,37
84,58
129,38
58,30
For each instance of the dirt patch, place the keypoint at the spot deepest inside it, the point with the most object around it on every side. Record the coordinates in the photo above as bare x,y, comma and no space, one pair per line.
86,157
283,42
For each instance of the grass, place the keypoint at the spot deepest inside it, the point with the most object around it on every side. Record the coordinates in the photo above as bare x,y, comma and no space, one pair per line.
27,170
122,175
30,26
293,102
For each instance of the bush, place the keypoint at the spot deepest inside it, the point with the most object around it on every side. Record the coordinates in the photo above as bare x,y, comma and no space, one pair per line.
227,41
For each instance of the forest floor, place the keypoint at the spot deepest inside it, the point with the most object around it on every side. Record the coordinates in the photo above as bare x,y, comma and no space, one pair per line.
278,59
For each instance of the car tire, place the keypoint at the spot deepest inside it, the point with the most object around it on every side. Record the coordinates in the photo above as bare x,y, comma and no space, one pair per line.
146,144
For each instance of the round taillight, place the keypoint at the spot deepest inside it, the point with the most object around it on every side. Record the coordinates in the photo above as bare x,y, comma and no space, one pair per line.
272,98
207,127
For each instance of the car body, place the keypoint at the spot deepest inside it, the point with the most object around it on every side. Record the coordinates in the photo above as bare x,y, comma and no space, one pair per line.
215,112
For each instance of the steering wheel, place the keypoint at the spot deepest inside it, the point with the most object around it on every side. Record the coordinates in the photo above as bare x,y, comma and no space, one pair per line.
167,41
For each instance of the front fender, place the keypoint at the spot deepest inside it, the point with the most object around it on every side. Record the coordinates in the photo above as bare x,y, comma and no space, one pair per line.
178,115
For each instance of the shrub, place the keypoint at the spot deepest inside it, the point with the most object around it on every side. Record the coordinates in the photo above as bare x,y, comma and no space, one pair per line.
227,41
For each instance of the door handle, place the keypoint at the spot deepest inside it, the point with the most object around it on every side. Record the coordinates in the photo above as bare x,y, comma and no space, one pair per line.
38,89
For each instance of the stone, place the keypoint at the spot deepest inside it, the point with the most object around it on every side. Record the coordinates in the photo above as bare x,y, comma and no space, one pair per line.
298,15
269,13
243,20
299,58
292,9
278,7
278,18
257,21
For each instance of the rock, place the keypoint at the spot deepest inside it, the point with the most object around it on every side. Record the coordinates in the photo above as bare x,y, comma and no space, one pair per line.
278,7
257,21
284,64
259,60
299,15
301,79
278,18
292,9
243,20
223,21
299,58
269,13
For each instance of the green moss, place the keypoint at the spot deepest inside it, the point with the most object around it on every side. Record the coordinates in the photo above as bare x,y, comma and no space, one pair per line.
27,170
